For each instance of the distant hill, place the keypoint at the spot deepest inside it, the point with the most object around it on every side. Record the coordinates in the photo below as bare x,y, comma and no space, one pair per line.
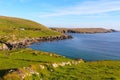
83,30
21,28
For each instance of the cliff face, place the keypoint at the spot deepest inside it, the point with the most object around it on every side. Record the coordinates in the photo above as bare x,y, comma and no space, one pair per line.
83,30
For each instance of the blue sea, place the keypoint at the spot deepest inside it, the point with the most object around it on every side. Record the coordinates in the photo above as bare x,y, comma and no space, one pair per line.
90,47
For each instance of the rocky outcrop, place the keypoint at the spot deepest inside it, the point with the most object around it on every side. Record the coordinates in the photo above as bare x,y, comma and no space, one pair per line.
113,30
28,41
4,47
25,72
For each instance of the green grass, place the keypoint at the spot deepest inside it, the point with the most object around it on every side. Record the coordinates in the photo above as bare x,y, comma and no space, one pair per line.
101,70
25,57
98,70
22,28
19,58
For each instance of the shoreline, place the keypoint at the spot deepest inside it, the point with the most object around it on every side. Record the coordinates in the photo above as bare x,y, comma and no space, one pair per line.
28,41
61,52
24,43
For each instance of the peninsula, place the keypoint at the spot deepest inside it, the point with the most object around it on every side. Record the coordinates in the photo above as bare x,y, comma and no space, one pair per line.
83,30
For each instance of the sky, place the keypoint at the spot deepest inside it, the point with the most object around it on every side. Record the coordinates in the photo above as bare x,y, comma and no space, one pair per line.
66,13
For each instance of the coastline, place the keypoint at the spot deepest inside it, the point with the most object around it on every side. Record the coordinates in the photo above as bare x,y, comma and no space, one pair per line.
84,46
32,69
28,41
83,30
22,63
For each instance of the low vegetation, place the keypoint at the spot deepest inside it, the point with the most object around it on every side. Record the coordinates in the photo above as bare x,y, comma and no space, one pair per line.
21,28
24,57
99,70
27,60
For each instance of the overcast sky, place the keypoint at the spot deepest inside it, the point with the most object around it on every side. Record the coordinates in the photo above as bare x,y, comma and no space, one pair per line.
65,13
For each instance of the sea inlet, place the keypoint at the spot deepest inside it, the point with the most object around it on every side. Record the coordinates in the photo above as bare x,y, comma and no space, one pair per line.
90,47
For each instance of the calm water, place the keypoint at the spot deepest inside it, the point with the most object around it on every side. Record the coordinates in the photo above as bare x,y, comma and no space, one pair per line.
100,46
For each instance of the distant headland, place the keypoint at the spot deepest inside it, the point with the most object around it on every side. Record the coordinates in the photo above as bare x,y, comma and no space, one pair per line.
83,30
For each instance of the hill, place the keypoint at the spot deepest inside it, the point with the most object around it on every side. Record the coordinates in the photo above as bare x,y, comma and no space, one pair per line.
19,33
18,28
83,30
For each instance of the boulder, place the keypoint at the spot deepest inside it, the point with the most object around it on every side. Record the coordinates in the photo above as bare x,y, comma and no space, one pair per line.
4,47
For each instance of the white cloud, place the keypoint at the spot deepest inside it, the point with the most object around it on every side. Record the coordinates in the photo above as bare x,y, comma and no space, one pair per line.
87,7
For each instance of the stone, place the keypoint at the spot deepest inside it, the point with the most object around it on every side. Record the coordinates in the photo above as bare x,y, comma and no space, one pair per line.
55,65
42,67
5,47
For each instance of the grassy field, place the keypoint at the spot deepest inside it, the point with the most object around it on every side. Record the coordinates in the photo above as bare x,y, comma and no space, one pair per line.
15,59
21,28
24,57
98,70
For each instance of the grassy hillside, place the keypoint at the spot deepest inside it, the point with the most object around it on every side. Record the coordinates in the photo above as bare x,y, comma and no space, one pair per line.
21,28
25,57
100,70
37,65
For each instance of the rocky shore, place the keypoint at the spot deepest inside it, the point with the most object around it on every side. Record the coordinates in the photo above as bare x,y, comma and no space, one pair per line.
28,41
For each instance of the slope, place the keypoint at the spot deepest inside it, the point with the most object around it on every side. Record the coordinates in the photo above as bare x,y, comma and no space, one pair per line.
17,28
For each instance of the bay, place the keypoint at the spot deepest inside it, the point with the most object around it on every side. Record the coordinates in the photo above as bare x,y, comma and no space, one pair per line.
90,47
